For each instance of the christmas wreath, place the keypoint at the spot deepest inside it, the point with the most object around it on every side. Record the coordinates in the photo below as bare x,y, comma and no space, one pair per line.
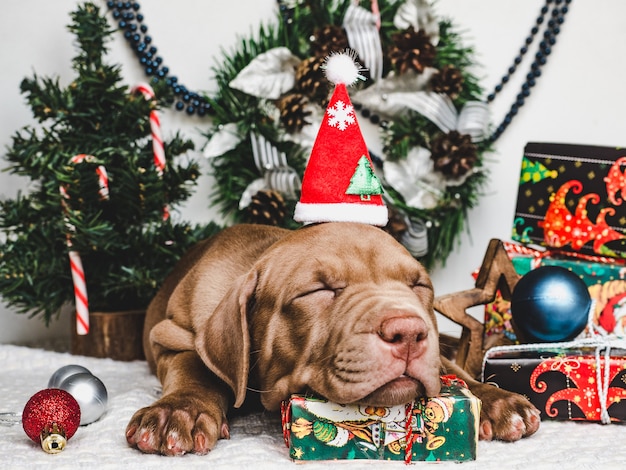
419,92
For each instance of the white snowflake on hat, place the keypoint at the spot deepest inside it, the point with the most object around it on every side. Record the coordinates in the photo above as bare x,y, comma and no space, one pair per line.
341,115
339,183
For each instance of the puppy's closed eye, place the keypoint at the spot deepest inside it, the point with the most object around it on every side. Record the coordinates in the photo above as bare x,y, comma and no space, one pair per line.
422,288
321,293
421,285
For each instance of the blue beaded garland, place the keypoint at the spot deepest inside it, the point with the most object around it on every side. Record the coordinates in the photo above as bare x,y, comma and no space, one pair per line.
557,14
131,21
128,12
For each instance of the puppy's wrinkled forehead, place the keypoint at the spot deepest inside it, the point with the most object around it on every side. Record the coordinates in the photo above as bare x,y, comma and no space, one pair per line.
334,250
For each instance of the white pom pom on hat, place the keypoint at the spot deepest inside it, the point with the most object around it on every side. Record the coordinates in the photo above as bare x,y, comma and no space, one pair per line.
342,68
339,182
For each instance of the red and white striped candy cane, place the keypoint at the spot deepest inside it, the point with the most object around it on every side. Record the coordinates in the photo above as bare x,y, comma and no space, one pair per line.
81,299
103,182
101,171
155,128
80,293
78,273
157,137
375,11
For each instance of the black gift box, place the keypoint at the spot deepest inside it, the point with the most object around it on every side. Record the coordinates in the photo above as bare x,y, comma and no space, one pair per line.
562,380
571,197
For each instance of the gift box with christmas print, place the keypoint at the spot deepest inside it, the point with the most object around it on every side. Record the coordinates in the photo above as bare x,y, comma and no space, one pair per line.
605,278
429,429
565,381
571,197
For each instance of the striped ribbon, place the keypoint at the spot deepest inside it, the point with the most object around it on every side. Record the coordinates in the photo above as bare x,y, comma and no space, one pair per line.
273,165
361,28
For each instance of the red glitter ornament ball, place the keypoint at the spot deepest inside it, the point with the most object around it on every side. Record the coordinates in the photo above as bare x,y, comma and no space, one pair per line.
51,417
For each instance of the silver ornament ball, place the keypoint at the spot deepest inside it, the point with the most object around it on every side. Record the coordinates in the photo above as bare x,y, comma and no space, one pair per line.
90,393
64,372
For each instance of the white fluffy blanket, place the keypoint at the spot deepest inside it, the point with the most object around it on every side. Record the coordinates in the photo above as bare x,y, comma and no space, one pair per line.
256,441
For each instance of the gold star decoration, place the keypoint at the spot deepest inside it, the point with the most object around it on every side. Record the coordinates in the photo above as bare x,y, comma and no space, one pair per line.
496,273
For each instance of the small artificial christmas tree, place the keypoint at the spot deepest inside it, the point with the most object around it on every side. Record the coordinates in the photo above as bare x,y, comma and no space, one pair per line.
96,189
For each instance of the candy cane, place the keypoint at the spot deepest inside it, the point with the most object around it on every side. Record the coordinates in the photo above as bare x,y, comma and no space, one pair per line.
78,274
103,178
103,182
80,293
157,138
76,265
375,11
155,127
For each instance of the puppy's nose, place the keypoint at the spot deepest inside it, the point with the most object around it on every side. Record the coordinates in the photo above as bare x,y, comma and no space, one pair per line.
403,332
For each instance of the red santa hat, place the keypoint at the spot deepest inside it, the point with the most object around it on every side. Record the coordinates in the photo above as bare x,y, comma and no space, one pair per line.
339,183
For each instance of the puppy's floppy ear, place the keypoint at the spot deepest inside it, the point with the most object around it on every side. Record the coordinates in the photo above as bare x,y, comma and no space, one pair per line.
223,343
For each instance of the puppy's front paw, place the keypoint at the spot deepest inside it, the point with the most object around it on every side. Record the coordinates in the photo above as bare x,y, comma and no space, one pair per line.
176,425
505,416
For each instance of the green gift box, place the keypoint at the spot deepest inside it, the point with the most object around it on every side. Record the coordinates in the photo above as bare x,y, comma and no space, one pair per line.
442,428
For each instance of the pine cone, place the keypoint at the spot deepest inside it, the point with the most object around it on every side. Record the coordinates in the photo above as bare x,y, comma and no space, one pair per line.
448,80
454,154
293,113
311,81
328,39
411,51
267,208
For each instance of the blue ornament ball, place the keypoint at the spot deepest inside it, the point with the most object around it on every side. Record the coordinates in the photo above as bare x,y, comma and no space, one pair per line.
550,304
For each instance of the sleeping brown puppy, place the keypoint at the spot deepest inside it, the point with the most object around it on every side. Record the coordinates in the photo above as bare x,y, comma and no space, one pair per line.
337,309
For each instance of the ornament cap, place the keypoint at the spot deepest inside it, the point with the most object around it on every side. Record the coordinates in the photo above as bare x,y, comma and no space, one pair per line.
53,439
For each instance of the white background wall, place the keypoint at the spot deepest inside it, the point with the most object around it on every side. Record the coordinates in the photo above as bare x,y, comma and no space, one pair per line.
580,98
